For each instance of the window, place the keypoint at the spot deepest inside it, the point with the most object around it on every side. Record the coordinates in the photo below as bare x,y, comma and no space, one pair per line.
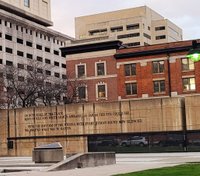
57,75
29,56
64,76
82,93
47,61
21,78
27,3
158,67
160,37
63,65
1,61
8,37
160,28
97,31
48,84
20,53
56,52
9,63
9,76
56,64
39,70
9,50
81,71
30,44
189,84
20,41
47,49
187,64
159,86
48,72
133,44
130,69
128,35
116,29
147,36
132,26
39,59
21,66
39,47
100,69
101,91
29,68
131,88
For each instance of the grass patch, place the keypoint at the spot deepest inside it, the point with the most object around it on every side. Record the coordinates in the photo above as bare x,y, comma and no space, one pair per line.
181,170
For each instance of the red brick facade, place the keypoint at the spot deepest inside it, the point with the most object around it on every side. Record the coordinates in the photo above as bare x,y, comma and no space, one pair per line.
172,75
150,80
91,80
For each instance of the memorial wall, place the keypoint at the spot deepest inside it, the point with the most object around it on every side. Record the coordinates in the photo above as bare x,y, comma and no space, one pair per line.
23,129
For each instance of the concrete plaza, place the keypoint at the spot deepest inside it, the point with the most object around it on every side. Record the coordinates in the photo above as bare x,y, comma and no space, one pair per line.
125,163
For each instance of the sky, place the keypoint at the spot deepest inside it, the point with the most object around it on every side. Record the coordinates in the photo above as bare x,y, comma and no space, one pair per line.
184,13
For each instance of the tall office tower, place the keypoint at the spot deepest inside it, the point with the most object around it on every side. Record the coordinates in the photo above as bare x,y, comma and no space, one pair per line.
134,27
35,10
25,37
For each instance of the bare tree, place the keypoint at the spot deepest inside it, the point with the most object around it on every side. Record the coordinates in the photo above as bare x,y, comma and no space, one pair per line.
30,86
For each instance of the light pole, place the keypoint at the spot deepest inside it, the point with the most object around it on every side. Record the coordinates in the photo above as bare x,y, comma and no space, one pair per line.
194,53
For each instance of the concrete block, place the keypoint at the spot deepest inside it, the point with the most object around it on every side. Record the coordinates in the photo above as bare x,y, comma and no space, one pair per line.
48,155
51,153
85,160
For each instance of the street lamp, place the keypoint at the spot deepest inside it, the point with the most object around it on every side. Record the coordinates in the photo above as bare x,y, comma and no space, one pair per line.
194,53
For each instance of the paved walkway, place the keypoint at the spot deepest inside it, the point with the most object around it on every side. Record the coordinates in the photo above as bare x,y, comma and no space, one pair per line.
125,163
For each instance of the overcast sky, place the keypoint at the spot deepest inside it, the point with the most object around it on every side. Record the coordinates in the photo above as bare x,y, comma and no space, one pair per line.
184,13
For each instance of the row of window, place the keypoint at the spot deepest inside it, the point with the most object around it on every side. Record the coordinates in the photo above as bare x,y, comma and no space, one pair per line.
159,86
101,92
133,44
30,32
30,56
158,67
130,69
30,44
39,70
115,29
131,88
160,37
121,28
10,63
100,69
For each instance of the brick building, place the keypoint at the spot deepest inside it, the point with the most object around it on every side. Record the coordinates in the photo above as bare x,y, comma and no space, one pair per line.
94,65
110,72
